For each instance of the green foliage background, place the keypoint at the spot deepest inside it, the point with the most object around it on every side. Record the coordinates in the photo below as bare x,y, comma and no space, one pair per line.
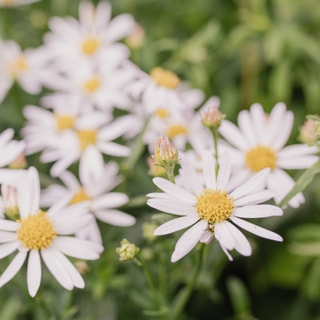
243,51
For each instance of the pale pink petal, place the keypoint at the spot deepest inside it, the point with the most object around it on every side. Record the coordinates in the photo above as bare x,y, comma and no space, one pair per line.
209,170
33,272
115,217
231,133
257,211
109,200
172,206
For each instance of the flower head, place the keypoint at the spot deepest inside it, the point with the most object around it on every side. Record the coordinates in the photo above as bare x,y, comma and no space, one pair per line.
205,204
127,251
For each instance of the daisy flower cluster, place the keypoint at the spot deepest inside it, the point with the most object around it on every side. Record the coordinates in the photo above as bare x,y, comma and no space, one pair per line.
97,104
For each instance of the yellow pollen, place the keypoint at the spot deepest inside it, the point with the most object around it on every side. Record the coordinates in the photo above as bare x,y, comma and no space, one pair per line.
90,45
64,122
92,85
36,231
165,78
86,138
214,205
80,196
17,66
175,130
260,158
162,113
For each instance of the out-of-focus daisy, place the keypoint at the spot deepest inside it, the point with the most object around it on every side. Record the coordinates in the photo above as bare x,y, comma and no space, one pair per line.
46,128
96,182
94,35
9,149
101,86
25,67
15,3
44,235
87,133
259,143
203,203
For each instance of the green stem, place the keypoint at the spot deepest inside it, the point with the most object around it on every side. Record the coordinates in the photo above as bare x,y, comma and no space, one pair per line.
170,173
301,183
136,202
149,279
215,140
185,294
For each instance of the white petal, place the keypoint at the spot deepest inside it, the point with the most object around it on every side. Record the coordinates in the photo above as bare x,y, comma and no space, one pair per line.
71,270
255,183
115,217
13,267
254,198
297,150
176,224
114,149
231,133
53,263
246,127
24,195
206,237
174,190
7,225
7,236
209,170
78,248
172,206
70,180
34,189
232,238
189,240
302,162
33,272
224,171
261,232
257,211
8,248
110,200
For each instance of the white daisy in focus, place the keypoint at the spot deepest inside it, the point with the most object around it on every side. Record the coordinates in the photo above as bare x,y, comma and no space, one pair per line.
15,3
97,179
46,128
89,132
44,235
25,67
259,143
204,204
94,35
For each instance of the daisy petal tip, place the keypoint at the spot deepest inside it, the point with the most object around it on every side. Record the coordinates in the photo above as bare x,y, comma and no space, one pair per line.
175,257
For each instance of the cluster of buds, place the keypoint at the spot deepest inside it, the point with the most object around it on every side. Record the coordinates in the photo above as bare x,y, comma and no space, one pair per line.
310,131
212,118
127,250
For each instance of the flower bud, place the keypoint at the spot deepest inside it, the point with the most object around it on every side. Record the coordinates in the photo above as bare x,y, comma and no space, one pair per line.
127,251
310,131
10,201
155,171
19,163
165,152
212,117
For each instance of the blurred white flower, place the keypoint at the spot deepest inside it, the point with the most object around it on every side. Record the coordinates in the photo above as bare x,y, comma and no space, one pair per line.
88,132
39,234
96,182
46,128
25,67
259,143
204,205
94,35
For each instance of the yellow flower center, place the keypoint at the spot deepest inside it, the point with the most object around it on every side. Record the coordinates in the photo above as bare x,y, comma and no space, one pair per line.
92,85
86,138
260,158
80,196
64,122
162,113
165,78
17,66
90,45
175,130
214,205
36,231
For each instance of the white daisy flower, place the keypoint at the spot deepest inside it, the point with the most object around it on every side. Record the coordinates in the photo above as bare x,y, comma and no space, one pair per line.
88,133
25,67
204,204
94,35
259,143
97,179
39,234
46,128
16,3
9,149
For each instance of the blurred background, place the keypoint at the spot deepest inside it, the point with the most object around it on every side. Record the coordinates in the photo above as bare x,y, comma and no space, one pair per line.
243,51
